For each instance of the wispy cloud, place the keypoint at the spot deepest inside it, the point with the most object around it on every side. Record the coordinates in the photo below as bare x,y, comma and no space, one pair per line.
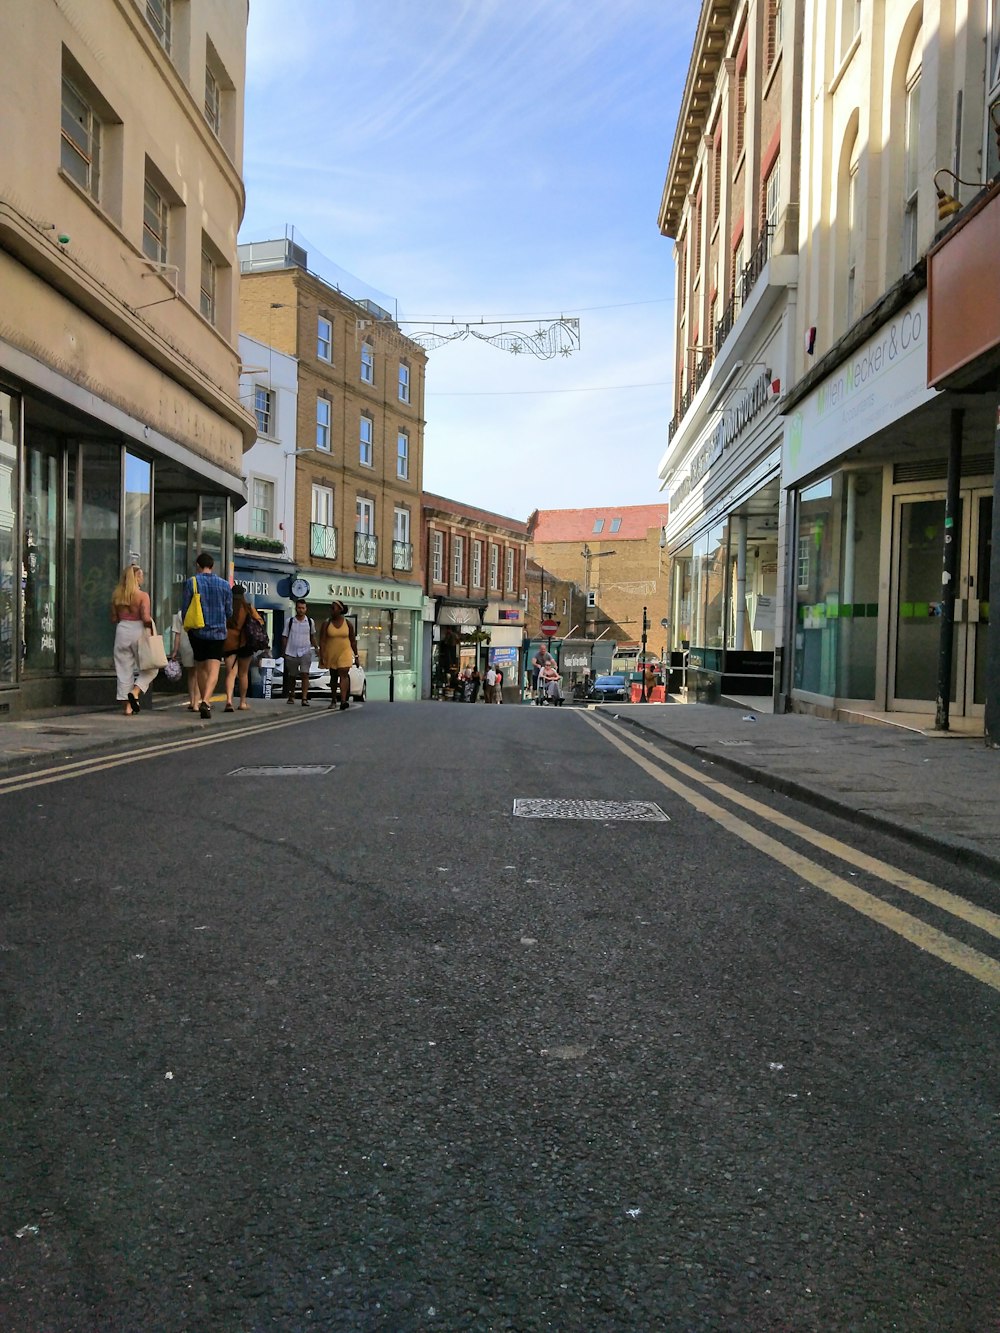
484,156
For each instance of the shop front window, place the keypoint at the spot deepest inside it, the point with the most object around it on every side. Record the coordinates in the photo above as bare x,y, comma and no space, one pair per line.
708,576
93,553
40,556
9,427
837,545
212,537
373,631
138,511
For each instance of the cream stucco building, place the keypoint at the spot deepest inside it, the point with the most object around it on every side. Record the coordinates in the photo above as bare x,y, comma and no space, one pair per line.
121,430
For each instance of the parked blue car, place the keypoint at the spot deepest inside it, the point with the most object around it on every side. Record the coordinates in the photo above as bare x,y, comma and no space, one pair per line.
610,689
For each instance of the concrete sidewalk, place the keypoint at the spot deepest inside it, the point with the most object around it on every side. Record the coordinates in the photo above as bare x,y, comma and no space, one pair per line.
940,792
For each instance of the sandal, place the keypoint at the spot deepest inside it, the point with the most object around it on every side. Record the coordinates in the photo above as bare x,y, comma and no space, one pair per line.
229,708
134,701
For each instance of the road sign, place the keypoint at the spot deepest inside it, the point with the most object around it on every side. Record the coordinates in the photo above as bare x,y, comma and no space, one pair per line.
550,628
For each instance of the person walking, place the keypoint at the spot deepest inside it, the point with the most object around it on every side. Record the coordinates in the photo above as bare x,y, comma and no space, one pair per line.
498,685
207,641
540,659
238,653
338,652
489,684
180,651
131,616
297,643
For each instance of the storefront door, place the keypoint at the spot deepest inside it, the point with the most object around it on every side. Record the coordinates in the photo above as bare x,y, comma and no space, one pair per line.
919,530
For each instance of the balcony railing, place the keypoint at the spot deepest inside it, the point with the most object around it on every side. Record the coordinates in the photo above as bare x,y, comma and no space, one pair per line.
402,555
365,548
745,282
322,541
696,379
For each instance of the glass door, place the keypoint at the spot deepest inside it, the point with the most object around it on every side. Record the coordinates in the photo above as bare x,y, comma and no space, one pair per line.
40,555
920,532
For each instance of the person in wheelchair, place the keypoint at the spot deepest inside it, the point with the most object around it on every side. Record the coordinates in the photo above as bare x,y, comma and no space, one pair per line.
549,684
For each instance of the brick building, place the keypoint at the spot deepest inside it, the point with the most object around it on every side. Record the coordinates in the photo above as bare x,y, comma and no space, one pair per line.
474,563
358,461
614,555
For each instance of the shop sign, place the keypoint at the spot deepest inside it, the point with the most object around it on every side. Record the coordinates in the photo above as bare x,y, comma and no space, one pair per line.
503,656
734,422
357,592
573,661
881,382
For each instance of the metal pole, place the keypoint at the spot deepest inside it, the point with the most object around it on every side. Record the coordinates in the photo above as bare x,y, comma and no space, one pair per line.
645,626
952,533
993,630
392,665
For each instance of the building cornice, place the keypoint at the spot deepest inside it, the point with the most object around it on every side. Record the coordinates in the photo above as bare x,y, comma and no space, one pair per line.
708,53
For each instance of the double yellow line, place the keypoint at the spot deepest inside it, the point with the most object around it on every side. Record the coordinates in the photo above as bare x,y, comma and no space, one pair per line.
685,785
80,768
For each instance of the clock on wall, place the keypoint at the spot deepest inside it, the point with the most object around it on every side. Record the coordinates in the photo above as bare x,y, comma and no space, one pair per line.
299,588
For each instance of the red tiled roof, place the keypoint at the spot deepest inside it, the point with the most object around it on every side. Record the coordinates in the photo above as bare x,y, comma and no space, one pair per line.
577,525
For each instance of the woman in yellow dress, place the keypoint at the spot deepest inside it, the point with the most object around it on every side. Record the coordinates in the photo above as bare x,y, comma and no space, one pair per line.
338,651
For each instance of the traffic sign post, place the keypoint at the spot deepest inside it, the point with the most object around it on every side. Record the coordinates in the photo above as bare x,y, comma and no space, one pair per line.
550,628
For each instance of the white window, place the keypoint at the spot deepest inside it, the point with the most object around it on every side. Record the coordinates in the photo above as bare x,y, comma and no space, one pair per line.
402,455
324,339
365,438
591,599
477,564
852,236
213,101
509,569
739,264
322,505
457,559
208,286
365,511
616,524
160,18
772,188
263,406
495,567
802,564
261,507
598,524
367,362
155,212
437,557
401,525
323,423
404,382
911,173
564,606
80,152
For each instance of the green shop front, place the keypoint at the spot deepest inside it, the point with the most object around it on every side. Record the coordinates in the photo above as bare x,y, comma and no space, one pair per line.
387,618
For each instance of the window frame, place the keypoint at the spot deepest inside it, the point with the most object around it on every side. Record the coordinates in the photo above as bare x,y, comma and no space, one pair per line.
403,382
477,563
403,455
364,513
324,442
322,505
437,556
366,440
265,415
91,185
213,101
400,524
510,582
457,558
494,567
328,340
160,17
367,361
911,170
160,239
254,528
208,297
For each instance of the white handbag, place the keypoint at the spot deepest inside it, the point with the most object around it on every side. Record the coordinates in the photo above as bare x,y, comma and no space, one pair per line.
152,653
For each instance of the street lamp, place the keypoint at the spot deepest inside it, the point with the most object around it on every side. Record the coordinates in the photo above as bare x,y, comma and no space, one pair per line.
642,663
589,555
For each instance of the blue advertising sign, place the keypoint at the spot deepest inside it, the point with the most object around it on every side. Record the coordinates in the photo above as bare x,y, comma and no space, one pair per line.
503,656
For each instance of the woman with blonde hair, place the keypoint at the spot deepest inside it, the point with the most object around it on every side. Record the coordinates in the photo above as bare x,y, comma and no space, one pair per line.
338,651
131,616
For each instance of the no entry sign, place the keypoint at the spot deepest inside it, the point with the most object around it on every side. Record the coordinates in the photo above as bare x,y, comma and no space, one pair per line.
550,628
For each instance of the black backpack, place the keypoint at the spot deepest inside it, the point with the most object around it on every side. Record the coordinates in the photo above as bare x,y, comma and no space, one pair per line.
255,635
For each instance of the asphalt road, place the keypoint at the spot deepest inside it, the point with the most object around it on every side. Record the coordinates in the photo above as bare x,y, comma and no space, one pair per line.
361,1050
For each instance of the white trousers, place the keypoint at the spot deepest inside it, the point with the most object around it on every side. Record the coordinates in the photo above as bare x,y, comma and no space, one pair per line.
127,633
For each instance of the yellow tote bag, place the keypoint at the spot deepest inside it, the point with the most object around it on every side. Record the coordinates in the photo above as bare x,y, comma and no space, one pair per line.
194,617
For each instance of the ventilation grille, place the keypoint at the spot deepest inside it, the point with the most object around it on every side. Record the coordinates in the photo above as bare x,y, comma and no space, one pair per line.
936,469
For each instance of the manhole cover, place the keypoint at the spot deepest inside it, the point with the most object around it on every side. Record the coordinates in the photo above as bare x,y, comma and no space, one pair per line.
281,771
644,810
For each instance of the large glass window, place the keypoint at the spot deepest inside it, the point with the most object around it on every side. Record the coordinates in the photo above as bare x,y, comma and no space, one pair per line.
80,154
93,553
214,511
837,564
40,561
10,416
138,511
708,574
373,632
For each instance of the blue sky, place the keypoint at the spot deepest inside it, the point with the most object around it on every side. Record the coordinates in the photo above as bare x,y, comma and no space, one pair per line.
482,158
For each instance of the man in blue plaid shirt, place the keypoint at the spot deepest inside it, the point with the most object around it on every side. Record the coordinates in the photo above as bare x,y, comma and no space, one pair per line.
206,643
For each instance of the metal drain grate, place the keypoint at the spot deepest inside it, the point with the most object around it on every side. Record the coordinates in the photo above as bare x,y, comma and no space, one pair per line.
540,809
281,771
